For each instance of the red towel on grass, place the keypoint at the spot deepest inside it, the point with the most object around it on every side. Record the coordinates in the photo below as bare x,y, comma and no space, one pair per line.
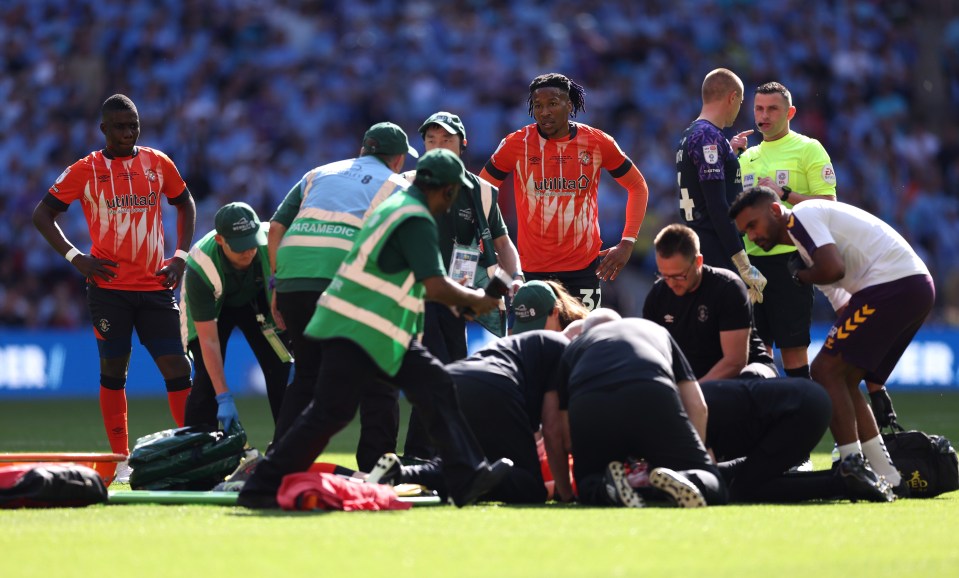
322,491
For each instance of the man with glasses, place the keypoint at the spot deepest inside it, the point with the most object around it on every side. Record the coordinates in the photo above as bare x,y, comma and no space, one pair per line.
706,309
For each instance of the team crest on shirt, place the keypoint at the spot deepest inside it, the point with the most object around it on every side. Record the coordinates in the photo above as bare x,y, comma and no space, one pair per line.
585,158
466,214
668,318
829,174
782,178
151,175
702,313
711,153
103,325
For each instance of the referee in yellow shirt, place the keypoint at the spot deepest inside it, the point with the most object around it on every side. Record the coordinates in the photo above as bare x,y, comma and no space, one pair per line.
797,168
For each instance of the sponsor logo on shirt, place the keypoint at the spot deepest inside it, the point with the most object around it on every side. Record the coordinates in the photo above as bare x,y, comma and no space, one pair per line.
829,174
131,203
560,184
466,214
534,160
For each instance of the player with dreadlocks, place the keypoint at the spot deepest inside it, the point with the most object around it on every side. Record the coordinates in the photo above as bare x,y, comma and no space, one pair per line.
556,165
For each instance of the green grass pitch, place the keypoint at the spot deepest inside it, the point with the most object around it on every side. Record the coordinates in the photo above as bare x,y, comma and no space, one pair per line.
909,537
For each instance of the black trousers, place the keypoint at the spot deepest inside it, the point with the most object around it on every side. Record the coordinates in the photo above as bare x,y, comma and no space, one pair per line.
640,420
502,427
201,405
345,371
444,335
500,423
379,408
758,429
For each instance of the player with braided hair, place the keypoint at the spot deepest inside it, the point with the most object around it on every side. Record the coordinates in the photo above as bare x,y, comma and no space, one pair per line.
577,94
556,165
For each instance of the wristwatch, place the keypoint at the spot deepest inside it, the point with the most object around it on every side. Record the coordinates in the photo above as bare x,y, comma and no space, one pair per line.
786,192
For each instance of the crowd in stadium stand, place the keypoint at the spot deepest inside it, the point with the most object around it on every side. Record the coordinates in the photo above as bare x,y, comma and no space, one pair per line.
246,96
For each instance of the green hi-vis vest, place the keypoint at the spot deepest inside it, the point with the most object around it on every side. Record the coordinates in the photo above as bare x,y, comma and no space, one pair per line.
206,259
379,311
481,200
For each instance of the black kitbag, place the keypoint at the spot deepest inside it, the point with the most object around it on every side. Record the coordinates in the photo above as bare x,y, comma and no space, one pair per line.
927,463
50,486
186,458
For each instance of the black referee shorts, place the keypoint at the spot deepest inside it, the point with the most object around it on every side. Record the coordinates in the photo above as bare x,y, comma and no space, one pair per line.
785,315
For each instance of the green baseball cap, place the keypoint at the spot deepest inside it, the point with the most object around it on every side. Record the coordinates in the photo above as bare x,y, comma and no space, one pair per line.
532,305
240,226
386,138
442,167
449,121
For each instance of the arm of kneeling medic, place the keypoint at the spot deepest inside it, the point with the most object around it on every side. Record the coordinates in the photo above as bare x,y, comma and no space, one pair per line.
735,346
695,405
442,289
557,455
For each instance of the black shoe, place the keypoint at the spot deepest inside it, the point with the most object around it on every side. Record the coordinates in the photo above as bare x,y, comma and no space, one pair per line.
486,478
408,460
257,500
388,470
862,482
902,490
618,490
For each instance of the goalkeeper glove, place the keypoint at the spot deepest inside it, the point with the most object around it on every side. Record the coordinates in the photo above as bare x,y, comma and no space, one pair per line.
755,282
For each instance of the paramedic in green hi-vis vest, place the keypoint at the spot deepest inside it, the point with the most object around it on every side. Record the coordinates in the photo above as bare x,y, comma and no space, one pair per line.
367,322
227,286
311,233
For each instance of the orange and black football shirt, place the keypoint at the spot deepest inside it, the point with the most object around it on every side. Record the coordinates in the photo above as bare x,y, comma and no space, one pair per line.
121,202
555,184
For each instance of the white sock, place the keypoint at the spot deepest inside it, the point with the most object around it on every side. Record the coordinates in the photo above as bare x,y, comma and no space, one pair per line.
847,449
878,456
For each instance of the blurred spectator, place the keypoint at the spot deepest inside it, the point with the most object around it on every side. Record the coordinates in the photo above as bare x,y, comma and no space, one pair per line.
246,96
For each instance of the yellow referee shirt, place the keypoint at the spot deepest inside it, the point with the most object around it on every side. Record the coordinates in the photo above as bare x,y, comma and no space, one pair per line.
796,161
